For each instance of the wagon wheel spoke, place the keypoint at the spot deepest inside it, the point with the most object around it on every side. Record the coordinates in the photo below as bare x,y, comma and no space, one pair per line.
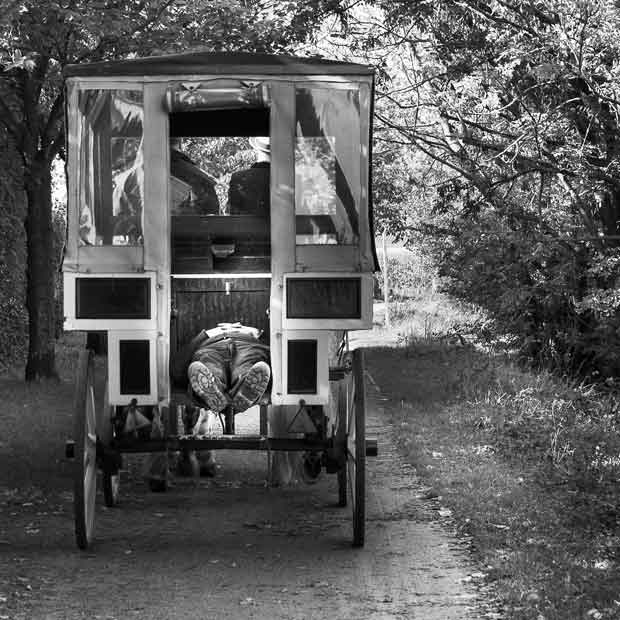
90,457
350,404
90,436
351,481
85,433
351,400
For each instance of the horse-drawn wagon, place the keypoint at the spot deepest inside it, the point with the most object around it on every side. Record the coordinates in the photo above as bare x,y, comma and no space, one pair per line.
161,245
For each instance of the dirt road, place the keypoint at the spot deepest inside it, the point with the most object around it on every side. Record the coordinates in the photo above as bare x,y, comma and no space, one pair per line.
232,548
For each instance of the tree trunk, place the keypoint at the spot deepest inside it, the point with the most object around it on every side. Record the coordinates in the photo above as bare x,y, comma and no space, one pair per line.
40,272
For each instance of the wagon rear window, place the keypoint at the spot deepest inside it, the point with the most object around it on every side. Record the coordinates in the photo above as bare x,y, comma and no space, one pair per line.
323,298
301,367
113,298
134,367
111,170
327,166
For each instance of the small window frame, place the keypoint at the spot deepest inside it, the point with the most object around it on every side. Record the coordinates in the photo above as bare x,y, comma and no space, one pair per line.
114,367
321,396
95,257
71,321
366,295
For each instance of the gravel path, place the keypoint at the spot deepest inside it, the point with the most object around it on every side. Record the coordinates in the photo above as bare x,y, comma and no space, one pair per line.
232,548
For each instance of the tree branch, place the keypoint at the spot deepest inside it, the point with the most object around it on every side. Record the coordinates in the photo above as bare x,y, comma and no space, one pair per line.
54,120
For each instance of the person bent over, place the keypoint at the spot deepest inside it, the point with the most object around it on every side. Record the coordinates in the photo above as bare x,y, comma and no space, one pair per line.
229,365
225,365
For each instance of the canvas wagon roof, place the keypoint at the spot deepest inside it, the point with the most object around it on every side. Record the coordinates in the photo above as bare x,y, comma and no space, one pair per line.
225,63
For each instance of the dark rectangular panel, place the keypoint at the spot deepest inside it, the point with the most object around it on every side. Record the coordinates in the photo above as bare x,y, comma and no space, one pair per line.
323,298
113,298
233,123
301,367
134,369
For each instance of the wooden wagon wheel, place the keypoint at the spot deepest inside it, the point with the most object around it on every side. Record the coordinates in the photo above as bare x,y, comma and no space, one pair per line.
351,429
85,437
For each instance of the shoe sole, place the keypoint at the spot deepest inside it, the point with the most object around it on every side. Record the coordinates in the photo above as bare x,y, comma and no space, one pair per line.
205,386
252,387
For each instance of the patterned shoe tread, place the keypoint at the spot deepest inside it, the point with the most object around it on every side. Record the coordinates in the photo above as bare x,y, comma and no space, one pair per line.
252,387
204,385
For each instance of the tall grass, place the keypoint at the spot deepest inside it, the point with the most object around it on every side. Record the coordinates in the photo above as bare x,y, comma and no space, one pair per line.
568,424
528,462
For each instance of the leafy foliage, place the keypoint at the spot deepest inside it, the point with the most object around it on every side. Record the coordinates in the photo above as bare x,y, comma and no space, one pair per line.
409,276
39,38
497,142
12,248
219,157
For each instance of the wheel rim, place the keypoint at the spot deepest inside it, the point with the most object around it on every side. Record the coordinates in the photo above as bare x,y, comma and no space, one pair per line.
85,433
90,459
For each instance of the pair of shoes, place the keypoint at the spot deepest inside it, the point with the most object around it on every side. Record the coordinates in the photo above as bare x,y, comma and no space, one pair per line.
252,387
206,387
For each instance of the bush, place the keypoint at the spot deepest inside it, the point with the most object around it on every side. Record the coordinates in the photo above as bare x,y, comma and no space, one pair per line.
14,332
559,299
409,276
13,315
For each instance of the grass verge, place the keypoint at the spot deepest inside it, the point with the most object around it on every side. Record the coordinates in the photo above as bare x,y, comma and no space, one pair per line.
37,419
529,466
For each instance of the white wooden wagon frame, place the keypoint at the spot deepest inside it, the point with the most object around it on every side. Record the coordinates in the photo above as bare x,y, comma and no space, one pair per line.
148,280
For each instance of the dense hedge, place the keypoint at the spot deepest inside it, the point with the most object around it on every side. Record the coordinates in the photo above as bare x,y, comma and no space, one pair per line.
559,298
13,315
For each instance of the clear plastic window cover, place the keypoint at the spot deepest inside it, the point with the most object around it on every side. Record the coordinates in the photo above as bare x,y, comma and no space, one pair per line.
327,166
111,168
